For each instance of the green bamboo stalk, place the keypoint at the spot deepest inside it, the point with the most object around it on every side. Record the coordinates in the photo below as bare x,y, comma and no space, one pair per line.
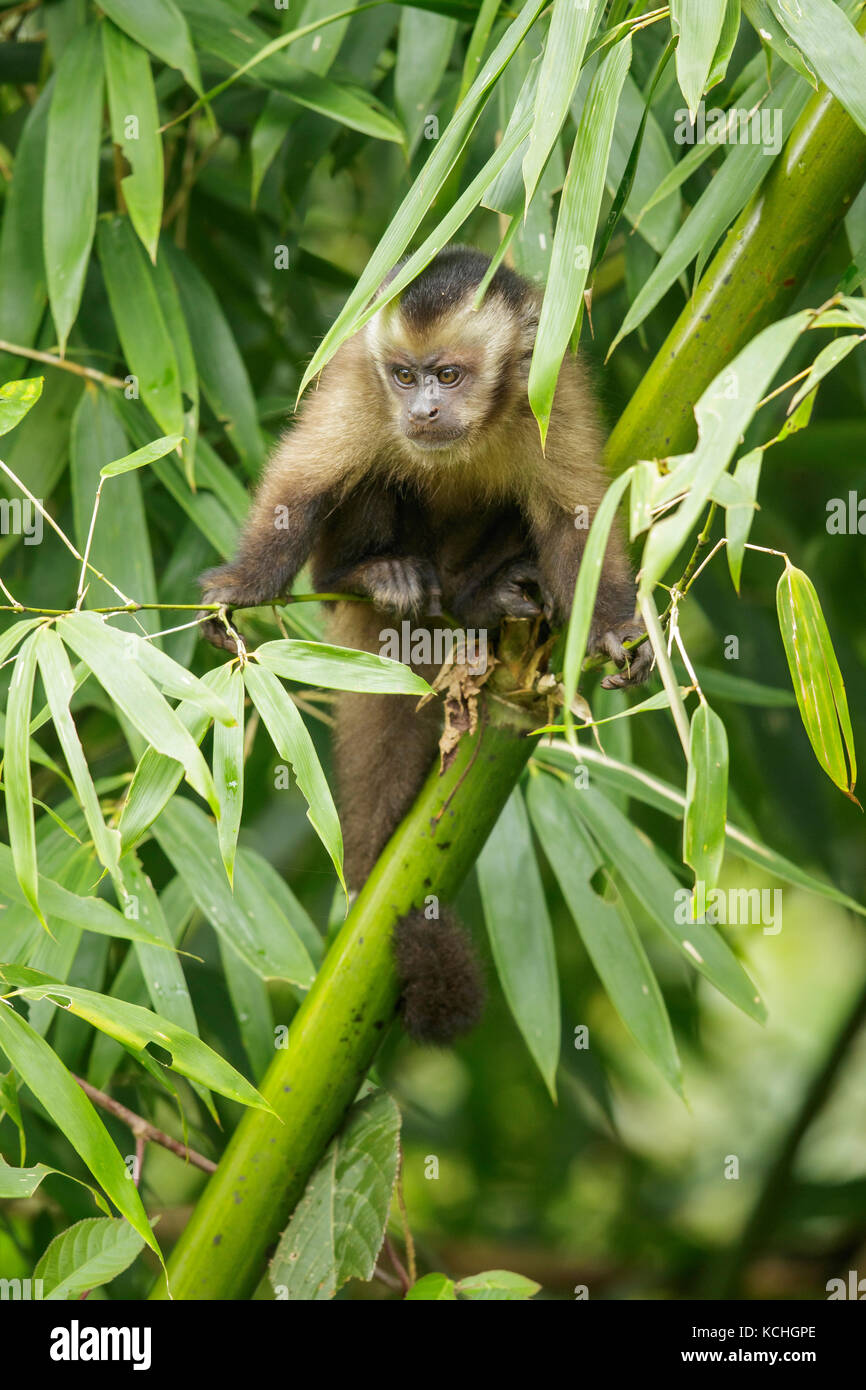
755,275
334,1036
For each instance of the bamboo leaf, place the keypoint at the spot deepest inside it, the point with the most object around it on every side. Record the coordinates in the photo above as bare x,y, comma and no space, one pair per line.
41,1070
655,886
521,936
135,131
160,27
575,229
832,46
292,741
339,668
588,577
59,686
157,450
19,792
221,368
706,797
91,914
137,1028
189,840
87,1255
698,24
156,778
138,317
228,769
409,215
607,932
72,162
22,262
571,27
828,358
772,34
739,516
816,677
135,695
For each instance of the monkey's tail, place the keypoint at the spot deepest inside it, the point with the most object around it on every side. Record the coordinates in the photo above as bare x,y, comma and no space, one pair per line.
443,987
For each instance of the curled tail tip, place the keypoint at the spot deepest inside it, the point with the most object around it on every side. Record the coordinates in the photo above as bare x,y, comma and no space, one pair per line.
443,988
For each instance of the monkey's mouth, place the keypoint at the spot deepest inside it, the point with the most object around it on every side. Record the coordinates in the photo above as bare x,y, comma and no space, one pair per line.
434,439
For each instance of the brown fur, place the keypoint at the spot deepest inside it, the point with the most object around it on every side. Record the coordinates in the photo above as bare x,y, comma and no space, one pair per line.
482,526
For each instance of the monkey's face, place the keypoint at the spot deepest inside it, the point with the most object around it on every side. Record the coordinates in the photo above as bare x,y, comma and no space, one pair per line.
431,398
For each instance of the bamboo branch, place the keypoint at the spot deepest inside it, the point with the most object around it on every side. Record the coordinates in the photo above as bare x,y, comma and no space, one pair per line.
143,1130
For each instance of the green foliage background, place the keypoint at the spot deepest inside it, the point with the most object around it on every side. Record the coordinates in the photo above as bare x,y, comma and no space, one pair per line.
208,257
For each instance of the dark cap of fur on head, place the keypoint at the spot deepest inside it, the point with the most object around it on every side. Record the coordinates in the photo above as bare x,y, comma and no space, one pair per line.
443,990
450,277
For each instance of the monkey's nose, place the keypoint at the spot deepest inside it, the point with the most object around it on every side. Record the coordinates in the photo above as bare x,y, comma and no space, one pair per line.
423,412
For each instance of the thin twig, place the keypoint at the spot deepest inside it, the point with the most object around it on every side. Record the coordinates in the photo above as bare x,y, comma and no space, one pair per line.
92,373
143,1128
405,1281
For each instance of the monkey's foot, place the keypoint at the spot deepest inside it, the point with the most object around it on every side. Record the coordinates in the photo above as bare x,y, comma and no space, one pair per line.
400,584
634,664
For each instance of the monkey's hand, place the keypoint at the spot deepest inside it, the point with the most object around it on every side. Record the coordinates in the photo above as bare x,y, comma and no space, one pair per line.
509,593
401,584
634,664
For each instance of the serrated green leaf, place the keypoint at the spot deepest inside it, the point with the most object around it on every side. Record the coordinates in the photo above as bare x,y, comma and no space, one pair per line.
87,1255
499,1284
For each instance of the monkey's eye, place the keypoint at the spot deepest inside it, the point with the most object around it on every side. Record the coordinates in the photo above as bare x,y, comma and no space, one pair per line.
449,376
404,376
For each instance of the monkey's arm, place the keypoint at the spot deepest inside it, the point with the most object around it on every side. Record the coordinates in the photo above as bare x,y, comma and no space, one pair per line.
560,546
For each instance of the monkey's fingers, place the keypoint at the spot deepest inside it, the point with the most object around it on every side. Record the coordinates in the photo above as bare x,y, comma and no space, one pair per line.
635,663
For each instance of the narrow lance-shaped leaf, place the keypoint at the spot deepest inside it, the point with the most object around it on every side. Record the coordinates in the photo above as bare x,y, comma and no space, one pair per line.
698,23
739,516
340,668
655,886
575,230
135,131
40,1068
16,774
571,26
588,577
521,936
264,940
136,1028
59,686
706,799
833,47
292,741
72,162
161,28
228,768
408,217
137,697
816,676
724,410
138,317
157,450
606,929
22,262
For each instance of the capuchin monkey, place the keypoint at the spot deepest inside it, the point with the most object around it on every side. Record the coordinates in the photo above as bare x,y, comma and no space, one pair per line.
414,475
